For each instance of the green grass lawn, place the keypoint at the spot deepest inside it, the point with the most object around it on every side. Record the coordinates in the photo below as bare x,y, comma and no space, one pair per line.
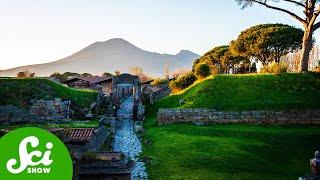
19,92
251,92
235,151
229,151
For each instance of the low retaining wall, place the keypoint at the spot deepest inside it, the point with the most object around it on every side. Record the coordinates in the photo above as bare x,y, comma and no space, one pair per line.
14,115
210,116
41,111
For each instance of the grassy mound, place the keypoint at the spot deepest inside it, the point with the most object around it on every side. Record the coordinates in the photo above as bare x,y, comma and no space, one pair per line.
19,92
251,92
184,151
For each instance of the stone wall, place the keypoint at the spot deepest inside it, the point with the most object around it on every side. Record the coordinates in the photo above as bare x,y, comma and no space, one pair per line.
13,115
50,110
210,116
41,111
155,96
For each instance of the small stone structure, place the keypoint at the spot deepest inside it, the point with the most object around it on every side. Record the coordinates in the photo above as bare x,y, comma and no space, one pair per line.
81,140
151,94
210,116
126,85
104,165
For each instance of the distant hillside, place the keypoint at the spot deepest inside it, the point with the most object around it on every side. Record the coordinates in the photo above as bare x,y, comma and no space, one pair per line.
108,56
251,92
19,92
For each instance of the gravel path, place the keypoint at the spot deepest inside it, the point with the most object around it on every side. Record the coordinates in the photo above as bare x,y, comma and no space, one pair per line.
127,141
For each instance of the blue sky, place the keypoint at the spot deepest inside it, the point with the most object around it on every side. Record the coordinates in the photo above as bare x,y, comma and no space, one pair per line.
41,31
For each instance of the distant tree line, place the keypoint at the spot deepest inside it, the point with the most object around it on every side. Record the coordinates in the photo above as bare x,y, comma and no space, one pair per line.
266,43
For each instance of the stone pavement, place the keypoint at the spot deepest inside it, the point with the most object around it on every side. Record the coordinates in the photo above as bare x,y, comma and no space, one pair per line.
127,141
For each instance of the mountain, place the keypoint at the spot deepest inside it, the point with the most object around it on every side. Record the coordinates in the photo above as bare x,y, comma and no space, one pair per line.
108,56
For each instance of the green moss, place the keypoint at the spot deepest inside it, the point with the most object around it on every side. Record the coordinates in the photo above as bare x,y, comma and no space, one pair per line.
19,92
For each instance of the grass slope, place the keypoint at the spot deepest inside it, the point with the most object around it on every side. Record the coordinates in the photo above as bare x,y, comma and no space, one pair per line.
19,92
235,151
251,92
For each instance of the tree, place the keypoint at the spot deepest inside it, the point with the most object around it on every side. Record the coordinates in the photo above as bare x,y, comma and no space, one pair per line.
182,82
202,70
136,71
310,9
179,72
219,59
106,74
117,72
267,42
25,73
60,77
159,81
86,75
166,71
71,74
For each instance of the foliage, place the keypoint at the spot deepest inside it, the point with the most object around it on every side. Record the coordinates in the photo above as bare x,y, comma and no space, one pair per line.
159,81
71,74
24,74
317,69
117,72
202,70
60,77
250,92
138,71
106,74
276,68
219,59
182,82
86,75
19,92
179,72
267,42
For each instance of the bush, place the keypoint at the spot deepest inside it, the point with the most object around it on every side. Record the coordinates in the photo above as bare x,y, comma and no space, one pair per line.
182,82
159,81
202,70
274,67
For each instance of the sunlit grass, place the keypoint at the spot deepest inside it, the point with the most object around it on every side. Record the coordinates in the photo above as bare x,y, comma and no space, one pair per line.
19,92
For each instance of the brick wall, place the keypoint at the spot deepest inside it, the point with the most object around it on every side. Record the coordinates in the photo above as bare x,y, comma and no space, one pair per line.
210,116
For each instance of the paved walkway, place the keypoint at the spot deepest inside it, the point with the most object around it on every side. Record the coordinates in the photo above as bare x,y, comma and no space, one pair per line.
127,141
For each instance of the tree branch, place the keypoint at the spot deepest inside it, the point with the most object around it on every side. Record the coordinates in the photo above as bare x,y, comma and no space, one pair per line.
295,2
314,17
316,26
280,9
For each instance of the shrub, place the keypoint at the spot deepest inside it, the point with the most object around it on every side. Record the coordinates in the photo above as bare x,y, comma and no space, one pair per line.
182,82
159,81
202,70
274,67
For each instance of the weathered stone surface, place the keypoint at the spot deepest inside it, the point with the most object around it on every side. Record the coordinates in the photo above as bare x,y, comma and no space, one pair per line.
40,111
201,116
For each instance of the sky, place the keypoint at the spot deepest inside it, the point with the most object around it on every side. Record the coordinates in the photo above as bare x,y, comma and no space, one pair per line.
39,31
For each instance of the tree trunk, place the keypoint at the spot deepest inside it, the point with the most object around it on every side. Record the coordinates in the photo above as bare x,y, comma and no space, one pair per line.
306,48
